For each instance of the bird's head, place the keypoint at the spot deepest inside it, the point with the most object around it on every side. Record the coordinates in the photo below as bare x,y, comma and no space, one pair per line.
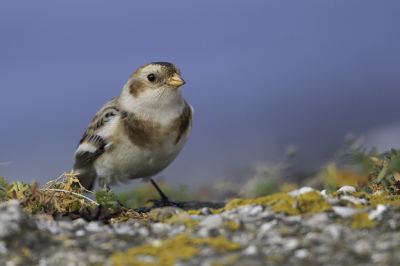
152,85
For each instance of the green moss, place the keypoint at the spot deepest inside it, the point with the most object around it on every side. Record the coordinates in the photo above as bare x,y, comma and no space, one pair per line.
313,202
169,251
361,221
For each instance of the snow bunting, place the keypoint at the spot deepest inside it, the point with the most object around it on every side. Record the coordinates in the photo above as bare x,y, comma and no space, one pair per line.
138,133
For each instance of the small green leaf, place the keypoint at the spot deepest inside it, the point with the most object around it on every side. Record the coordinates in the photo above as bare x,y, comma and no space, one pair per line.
110,193
113,198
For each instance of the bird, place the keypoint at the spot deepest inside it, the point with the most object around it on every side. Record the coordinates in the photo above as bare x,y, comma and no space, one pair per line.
138,133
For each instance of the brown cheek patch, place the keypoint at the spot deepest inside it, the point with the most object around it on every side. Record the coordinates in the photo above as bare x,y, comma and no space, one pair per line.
136,87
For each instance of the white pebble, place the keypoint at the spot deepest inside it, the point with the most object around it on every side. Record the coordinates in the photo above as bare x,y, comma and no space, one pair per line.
93,226
80,233
3,248
256,210
123,229
377,214
334,231
301,253
159,228
144,232
212,221
251,250
290,244
344,212
300,191
205,211
347,189
267,226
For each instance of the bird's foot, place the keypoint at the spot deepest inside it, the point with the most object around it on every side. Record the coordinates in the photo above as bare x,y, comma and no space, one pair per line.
164,201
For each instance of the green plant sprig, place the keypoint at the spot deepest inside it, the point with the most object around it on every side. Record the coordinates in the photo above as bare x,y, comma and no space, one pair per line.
106,198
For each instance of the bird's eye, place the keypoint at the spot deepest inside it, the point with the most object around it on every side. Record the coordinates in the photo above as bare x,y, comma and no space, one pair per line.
151,77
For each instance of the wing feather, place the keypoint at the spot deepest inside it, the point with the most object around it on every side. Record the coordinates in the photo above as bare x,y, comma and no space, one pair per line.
94,141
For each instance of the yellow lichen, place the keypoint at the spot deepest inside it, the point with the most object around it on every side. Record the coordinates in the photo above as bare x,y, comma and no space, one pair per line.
374,200
313,202
285,203
162,214
219,243
216,211
167,252
194,211
278,258
283,231
361,221
360,194
181,218
232,225
271,199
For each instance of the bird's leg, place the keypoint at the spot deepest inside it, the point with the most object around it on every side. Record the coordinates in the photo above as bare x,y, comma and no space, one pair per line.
118,202
164,199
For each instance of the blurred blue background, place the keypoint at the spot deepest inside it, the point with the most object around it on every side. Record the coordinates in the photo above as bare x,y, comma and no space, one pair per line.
260,75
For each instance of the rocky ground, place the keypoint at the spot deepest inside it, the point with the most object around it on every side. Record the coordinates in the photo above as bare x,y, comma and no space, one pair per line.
303,227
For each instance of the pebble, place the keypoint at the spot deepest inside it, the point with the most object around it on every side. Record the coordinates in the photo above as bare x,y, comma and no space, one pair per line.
301,253
123,229
333,230
206,211
256,210
93,226
212,221
377,214
80,233
344,212
159,228
144,232
300,191
265,227
11,218
3,248
347,189
251,250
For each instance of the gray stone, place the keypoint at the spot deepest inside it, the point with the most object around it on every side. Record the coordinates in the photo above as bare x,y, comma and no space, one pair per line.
212,221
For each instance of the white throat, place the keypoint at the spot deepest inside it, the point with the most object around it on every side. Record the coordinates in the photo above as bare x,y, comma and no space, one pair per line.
153,103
